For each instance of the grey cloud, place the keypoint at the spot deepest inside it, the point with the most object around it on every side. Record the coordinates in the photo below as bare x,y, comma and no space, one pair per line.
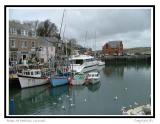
131,25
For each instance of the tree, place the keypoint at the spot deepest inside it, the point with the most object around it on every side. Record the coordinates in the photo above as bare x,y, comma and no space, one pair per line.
47,29
73,41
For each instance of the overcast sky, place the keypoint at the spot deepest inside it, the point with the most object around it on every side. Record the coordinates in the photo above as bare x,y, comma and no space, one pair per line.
132,26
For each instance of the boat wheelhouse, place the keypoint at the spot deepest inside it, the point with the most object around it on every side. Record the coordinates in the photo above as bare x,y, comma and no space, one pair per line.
93,77
32,77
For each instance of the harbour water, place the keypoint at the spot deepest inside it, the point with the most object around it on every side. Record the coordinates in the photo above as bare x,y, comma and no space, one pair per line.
127,83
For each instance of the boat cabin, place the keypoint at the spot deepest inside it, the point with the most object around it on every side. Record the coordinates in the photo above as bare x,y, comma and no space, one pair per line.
80,59
93,75
32,73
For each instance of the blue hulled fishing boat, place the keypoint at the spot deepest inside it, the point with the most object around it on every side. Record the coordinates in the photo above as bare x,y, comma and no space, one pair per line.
62,75
60,79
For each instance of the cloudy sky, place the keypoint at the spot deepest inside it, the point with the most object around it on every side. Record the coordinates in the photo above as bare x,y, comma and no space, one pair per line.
93,27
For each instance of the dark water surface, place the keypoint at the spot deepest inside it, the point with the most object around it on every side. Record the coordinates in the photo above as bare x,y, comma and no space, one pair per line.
130,83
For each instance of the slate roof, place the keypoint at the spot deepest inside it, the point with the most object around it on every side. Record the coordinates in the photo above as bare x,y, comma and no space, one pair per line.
114,44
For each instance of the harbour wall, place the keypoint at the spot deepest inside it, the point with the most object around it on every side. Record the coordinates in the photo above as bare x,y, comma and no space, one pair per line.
127,59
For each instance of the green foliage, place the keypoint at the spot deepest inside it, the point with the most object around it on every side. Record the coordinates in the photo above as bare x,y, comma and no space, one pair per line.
47,29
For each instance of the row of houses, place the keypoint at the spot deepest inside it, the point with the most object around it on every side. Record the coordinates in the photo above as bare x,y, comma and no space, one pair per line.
24,44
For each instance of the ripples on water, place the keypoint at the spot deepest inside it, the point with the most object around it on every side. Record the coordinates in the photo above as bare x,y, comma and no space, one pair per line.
120,85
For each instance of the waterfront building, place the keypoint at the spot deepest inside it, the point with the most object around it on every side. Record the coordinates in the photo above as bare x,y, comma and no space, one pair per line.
47,48
113,48
24,44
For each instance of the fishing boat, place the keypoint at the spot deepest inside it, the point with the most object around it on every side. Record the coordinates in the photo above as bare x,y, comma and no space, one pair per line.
82,63
93,77
78,79
32,77
60,79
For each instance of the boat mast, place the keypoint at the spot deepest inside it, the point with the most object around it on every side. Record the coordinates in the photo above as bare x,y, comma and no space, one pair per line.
95,46
85,40
61,24
59,52
65,40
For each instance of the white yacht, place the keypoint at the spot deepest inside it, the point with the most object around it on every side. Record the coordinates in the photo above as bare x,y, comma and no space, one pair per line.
82,63
32,77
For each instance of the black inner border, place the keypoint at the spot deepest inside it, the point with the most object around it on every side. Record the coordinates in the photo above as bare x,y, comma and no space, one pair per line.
80,116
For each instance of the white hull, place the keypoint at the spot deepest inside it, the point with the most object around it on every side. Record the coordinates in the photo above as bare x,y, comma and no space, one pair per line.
75,82
83,69
101,63
88,69
93,81
31,81
93,78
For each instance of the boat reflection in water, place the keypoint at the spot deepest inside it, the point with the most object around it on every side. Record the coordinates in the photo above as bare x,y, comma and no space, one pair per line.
94,88
46,100
120,81
59,91
28,100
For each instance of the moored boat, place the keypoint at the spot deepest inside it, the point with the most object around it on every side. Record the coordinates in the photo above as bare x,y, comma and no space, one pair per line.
60,79
78,79
82,63
31,78
93,77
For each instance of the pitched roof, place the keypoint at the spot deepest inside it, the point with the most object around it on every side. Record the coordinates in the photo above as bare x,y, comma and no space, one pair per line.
47,41
114,44
20,26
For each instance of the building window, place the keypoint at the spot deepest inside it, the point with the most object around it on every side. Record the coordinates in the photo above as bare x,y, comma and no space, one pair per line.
24,44
13,43
33,44
13,56
13,31
24,33
33,34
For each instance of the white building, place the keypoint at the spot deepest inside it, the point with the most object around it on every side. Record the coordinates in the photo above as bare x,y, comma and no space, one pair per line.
47,49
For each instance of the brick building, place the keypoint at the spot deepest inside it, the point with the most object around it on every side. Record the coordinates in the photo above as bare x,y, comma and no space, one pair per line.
113,48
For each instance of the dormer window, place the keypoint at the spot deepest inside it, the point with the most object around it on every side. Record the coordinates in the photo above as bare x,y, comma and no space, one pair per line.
24,33
33,34
13,31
